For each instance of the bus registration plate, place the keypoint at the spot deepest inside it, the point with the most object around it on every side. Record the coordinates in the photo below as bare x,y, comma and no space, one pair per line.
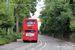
28,34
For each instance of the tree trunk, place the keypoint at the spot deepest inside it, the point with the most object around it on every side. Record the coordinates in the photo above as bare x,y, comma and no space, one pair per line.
8,31
17,22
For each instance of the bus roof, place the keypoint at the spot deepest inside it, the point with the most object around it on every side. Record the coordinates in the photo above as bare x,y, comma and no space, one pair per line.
30,19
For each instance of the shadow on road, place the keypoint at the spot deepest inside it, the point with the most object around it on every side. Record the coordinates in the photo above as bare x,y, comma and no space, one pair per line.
29,41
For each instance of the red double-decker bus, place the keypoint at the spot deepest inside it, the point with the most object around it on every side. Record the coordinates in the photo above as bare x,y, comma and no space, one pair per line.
30,30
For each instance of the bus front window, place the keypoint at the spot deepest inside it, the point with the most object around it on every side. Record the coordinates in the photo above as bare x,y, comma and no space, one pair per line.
30,22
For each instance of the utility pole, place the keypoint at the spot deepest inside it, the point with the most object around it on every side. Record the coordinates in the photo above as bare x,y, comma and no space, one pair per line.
12,16
7,3
7,6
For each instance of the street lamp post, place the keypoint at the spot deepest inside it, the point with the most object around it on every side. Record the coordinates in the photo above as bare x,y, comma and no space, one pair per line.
7,3
7,6
12,15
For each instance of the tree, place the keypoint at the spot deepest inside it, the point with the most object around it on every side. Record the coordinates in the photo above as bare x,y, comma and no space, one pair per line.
6,19
72,6
6,15
71,1
23,10
58,18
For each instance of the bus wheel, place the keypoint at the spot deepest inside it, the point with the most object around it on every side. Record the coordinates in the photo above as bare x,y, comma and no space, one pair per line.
24,41
35,41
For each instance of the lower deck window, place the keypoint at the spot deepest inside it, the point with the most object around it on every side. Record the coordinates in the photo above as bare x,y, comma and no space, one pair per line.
29,30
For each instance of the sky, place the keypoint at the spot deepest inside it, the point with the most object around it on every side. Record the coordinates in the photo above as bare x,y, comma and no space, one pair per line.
37,13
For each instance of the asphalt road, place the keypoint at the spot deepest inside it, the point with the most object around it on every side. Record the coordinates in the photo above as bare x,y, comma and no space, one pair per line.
44,43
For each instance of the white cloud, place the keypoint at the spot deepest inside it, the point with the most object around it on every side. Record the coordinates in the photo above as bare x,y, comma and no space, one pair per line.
37,13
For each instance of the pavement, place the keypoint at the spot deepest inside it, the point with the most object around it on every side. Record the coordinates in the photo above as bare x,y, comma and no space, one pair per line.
70,43
65,42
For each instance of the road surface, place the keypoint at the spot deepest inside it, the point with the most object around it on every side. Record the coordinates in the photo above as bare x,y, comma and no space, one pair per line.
44,43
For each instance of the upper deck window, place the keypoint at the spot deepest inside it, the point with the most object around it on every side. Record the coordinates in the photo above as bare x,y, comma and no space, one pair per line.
30,22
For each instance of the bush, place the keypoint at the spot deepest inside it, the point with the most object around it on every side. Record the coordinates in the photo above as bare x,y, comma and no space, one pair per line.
10,38
3,32
73,29
2,41
72,36
19,36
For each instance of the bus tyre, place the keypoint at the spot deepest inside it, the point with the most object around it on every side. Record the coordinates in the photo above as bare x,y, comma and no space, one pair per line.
36,41
24,41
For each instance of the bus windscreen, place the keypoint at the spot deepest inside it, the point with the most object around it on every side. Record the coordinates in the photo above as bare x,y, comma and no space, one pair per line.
30,22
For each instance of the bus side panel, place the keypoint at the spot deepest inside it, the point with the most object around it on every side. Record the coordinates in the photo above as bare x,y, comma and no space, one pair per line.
23,28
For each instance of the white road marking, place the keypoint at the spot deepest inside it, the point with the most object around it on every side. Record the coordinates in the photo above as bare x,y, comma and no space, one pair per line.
43,46
38,45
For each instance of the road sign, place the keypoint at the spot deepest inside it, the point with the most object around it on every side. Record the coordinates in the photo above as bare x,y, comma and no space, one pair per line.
12,27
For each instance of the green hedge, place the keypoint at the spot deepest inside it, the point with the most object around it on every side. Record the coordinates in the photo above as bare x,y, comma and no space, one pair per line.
72,36
9,38
56,26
